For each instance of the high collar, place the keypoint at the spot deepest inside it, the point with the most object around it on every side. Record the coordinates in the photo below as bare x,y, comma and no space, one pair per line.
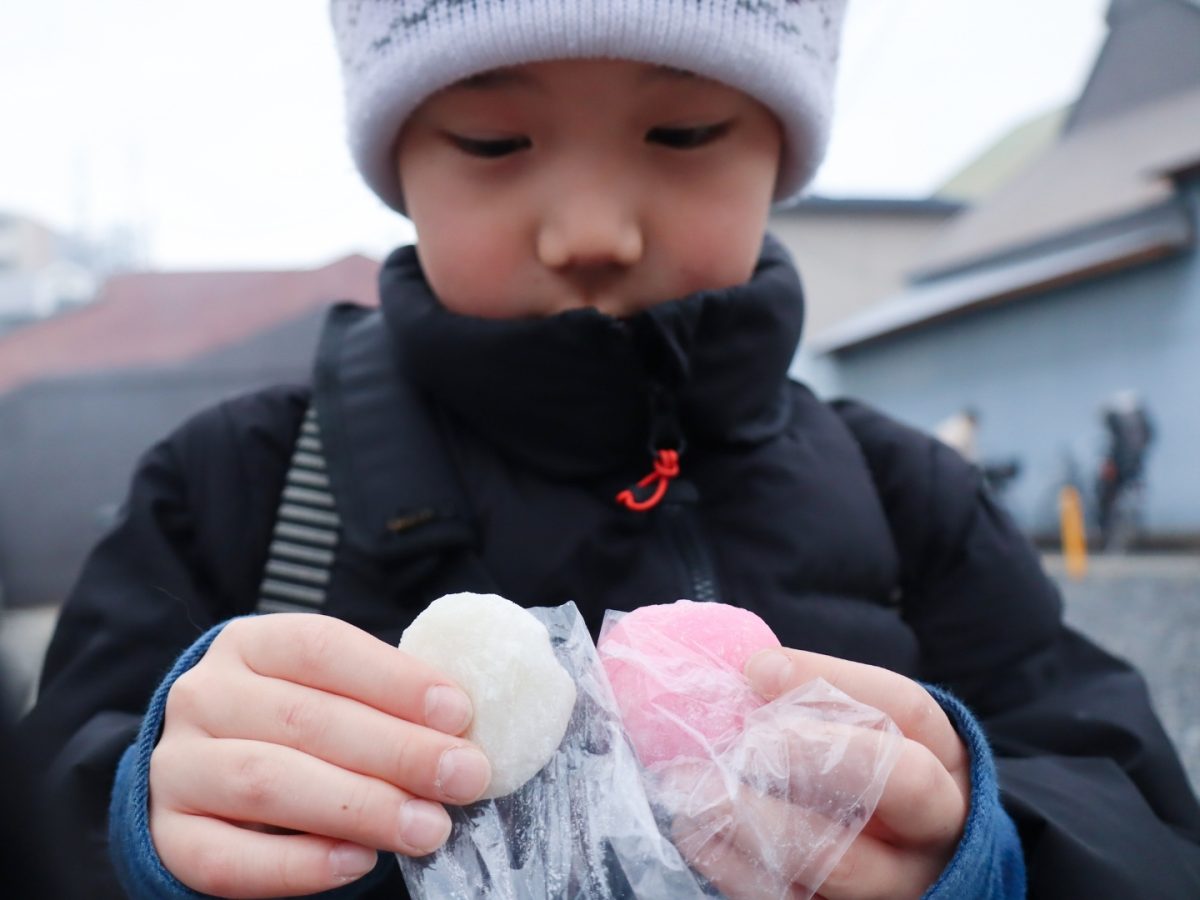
580,393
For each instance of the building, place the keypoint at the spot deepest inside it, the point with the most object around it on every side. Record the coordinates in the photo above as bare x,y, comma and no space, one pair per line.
83,394
1078,277
852,252
40,272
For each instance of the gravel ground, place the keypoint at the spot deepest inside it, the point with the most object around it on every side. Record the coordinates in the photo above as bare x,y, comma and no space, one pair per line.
1147,610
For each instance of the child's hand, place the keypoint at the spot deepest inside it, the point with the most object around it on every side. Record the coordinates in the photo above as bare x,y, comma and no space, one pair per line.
916,826
297,747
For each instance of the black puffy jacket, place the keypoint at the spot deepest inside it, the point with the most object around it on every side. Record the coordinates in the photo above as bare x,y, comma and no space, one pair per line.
849,533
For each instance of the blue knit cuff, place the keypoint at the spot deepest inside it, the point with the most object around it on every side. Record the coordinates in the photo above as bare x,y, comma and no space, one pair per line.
989,863
138,867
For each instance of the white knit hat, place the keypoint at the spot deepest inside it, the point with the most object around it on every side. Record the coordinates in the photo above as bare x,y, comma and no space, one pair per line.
396,53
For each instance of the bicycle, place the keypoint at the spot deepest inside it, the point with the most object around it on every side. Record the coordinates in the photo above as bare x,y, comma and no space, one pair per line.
1120,509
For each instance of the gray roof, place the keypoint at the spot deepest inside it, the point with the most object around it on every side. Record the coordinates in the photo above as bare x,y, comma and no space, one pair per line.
1101,199
918,206
1143,237
1112,169
1104,197
1152,50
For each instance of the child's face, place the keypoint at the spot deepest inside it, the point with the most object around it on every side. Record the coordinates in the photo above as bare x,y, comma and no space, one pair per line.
612,184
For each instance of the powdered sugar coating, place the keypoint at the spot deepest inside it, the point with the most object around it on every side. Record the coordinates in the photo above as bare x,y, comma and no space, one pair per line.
500,654
676,672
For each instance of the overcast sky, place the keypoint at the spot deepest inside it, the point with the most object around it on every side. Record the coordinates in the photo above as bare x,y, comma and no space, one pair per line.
215,127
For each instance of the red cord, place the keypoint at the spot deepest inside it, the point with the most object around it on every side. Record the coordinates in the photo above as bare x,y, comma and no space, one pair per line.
666,467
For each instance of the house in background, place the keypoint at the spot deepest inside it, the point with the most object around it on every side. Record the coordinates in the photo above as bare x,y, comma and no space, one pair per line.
1006,158
83,394
41,272
145,319
1078,277
851,252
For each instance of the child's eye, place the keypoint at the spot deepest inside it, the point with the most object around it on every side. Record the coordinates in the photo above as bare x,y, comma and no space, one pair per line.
687,138
490,148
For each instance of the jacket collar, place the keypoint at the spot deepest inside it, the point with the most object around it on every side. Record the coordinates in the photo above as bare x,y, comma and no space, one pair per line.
581,393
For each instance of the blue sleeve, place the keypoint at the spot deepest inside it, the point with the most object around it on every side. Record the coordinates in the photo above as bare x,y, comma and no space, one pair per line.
989,863
140,871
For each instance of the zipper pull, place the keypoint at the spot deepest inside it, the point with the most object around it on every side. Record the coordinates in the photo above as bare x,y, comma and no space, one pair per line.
666,467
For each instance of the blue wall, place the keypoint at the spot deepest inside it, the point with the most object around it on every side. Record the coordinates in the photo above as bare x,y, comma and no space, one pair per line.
1038,369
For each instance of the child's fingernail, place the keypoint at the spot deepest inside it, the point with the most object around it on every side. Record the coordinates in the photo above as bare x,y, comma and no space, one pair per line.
770,672
350,861
463,774
424,826
447,709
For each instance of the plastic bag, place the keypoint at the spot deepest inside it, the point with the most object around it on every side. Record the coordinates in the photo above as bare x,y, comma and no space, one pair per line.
581,828
594,824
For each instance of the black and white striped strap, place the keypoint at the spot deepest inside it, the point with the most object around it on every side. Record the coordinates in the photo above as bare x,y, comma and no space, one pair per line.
306,533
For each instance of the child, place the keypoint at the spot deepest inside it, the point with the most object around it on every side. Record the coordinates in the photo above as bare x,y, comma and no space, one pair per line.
592,298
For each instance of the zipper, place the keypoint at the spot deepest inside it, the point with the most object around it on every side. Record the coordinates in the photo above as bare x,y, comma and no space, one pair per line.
675,497
700,575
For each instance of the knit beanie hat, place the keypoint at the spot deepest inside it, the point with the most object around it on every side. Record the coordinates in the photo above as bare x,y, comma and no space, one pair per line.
396,53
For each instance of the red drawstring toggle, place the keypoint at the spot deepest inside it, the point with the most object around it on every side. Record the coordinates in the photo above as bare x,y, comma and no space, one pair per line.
666,467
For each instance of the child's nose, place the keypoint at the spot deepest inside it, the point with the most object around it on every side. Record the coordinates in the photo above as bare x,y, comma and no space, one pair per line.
590,233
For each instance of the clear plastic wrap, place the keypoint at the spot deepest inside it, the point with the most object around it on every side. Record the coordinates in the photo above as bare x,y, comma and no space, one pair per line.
775,805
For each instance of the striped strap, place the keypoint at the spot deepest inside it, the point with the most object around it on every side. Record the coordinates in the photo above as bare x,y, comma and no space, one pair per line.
307,526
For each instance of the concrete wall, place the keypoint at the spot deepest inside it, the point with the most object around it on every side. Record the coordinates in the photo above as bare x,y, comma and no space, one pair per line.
850,260
1038,369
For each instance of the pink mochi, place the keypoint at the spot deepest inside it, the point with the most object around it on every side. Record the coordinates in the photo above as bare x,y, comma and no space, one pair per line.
676,673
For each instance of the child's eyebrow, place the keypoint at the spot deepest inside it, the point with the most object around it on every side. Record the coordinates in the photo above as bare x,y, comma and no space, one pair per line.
667,73
498,78
503,77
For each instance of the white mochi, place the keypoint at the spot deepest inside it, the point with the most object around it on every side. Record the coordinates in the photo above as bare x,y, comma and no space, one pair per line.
500,654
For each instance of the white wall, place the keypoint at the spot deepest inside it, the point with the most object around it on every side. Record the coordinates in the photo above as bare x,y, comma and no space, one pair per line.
850,260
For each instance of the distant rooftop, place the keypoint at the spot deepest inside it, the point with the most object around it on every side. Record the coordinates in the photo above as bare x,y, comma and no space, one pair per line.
1100,197
933,206
1152,50
161,318
1109,170
1004,159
